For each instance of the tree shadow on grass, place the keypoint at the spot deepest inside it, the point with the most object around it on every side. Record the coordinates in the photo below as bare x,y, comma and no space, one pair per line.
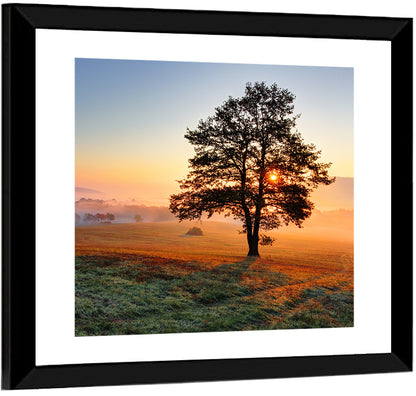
235,269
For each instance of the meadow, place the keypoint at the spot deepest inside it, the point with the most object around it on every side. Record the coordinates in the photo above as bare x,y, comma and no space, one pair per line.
152,278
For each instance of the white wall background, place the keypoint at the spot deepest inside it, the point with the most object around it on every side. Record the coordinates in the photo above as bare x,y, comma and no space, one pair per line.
386,384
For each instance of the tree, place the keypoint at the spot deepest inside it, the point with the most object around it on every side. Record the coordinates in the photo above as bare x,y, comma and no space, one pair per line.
252,164
110,216
88,218
100,217
138,218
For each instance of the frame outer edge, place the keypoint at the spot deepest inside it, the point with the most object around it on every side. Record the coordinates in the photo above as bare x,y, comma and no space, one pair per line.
402,192
161,20
18,186
19,369
6,332
138,373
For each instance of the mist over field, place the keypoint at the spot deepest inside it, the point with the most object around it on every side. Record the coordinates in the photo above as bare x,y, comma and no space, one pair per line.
333,204
124,211
339,195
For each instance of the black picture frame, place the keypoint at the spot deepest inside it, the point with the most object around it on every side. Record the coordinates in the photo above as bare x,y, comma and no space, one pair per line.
20,22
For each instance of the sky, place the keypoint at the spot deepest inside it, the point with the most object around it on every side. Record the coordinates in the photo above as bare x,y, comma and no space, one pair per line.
131,117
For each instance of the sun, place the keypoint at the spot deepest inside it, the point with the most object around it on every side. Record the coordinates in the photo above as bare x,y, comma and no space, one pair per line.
273,177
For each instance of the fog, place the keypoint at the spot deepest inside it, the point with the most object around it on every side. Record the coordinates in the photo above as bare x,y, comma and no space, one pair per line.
124,211
333,207
339,195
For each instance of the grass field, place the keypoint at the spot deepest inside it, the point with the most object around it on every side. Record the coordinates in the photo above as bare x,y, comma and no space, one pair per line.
151,278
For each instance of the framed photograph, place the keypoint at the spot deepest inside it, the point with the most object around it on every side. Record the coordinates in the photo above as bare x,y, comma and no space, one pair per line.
204,196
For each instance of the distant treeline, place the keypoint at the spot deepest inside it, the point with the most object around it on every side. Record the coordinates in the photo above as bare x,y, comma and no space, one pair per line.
125,212
94,218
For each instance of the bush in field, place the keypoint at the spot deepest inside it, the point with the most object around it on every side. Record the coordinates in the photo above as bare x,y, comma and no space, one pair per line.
266,240
195,231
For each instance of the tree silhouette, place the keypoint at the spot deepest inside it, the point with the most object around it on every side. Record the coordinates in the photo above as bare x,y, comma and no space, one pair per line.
138,218
251,163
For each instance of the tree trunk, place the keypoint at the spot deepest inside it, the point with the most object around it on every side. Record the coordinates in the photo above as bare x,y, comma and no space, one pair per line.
253,246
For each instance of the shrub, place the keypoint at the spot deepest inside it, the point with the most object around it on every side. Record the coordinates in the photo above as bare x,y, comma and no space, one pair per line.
195,231
266,240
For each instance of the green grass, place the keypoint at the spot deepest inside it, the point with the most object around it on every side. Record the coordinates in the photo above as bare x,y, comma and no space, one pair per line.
320,309
142,295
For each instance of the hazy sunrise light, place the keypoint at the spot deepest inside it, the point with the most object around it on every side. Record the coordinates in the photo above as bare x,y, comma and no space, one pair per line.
131,118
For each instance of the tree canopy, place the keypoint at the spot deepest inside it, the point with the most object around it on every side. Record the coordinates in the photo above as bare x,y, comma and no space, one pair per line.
252,164
138,218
